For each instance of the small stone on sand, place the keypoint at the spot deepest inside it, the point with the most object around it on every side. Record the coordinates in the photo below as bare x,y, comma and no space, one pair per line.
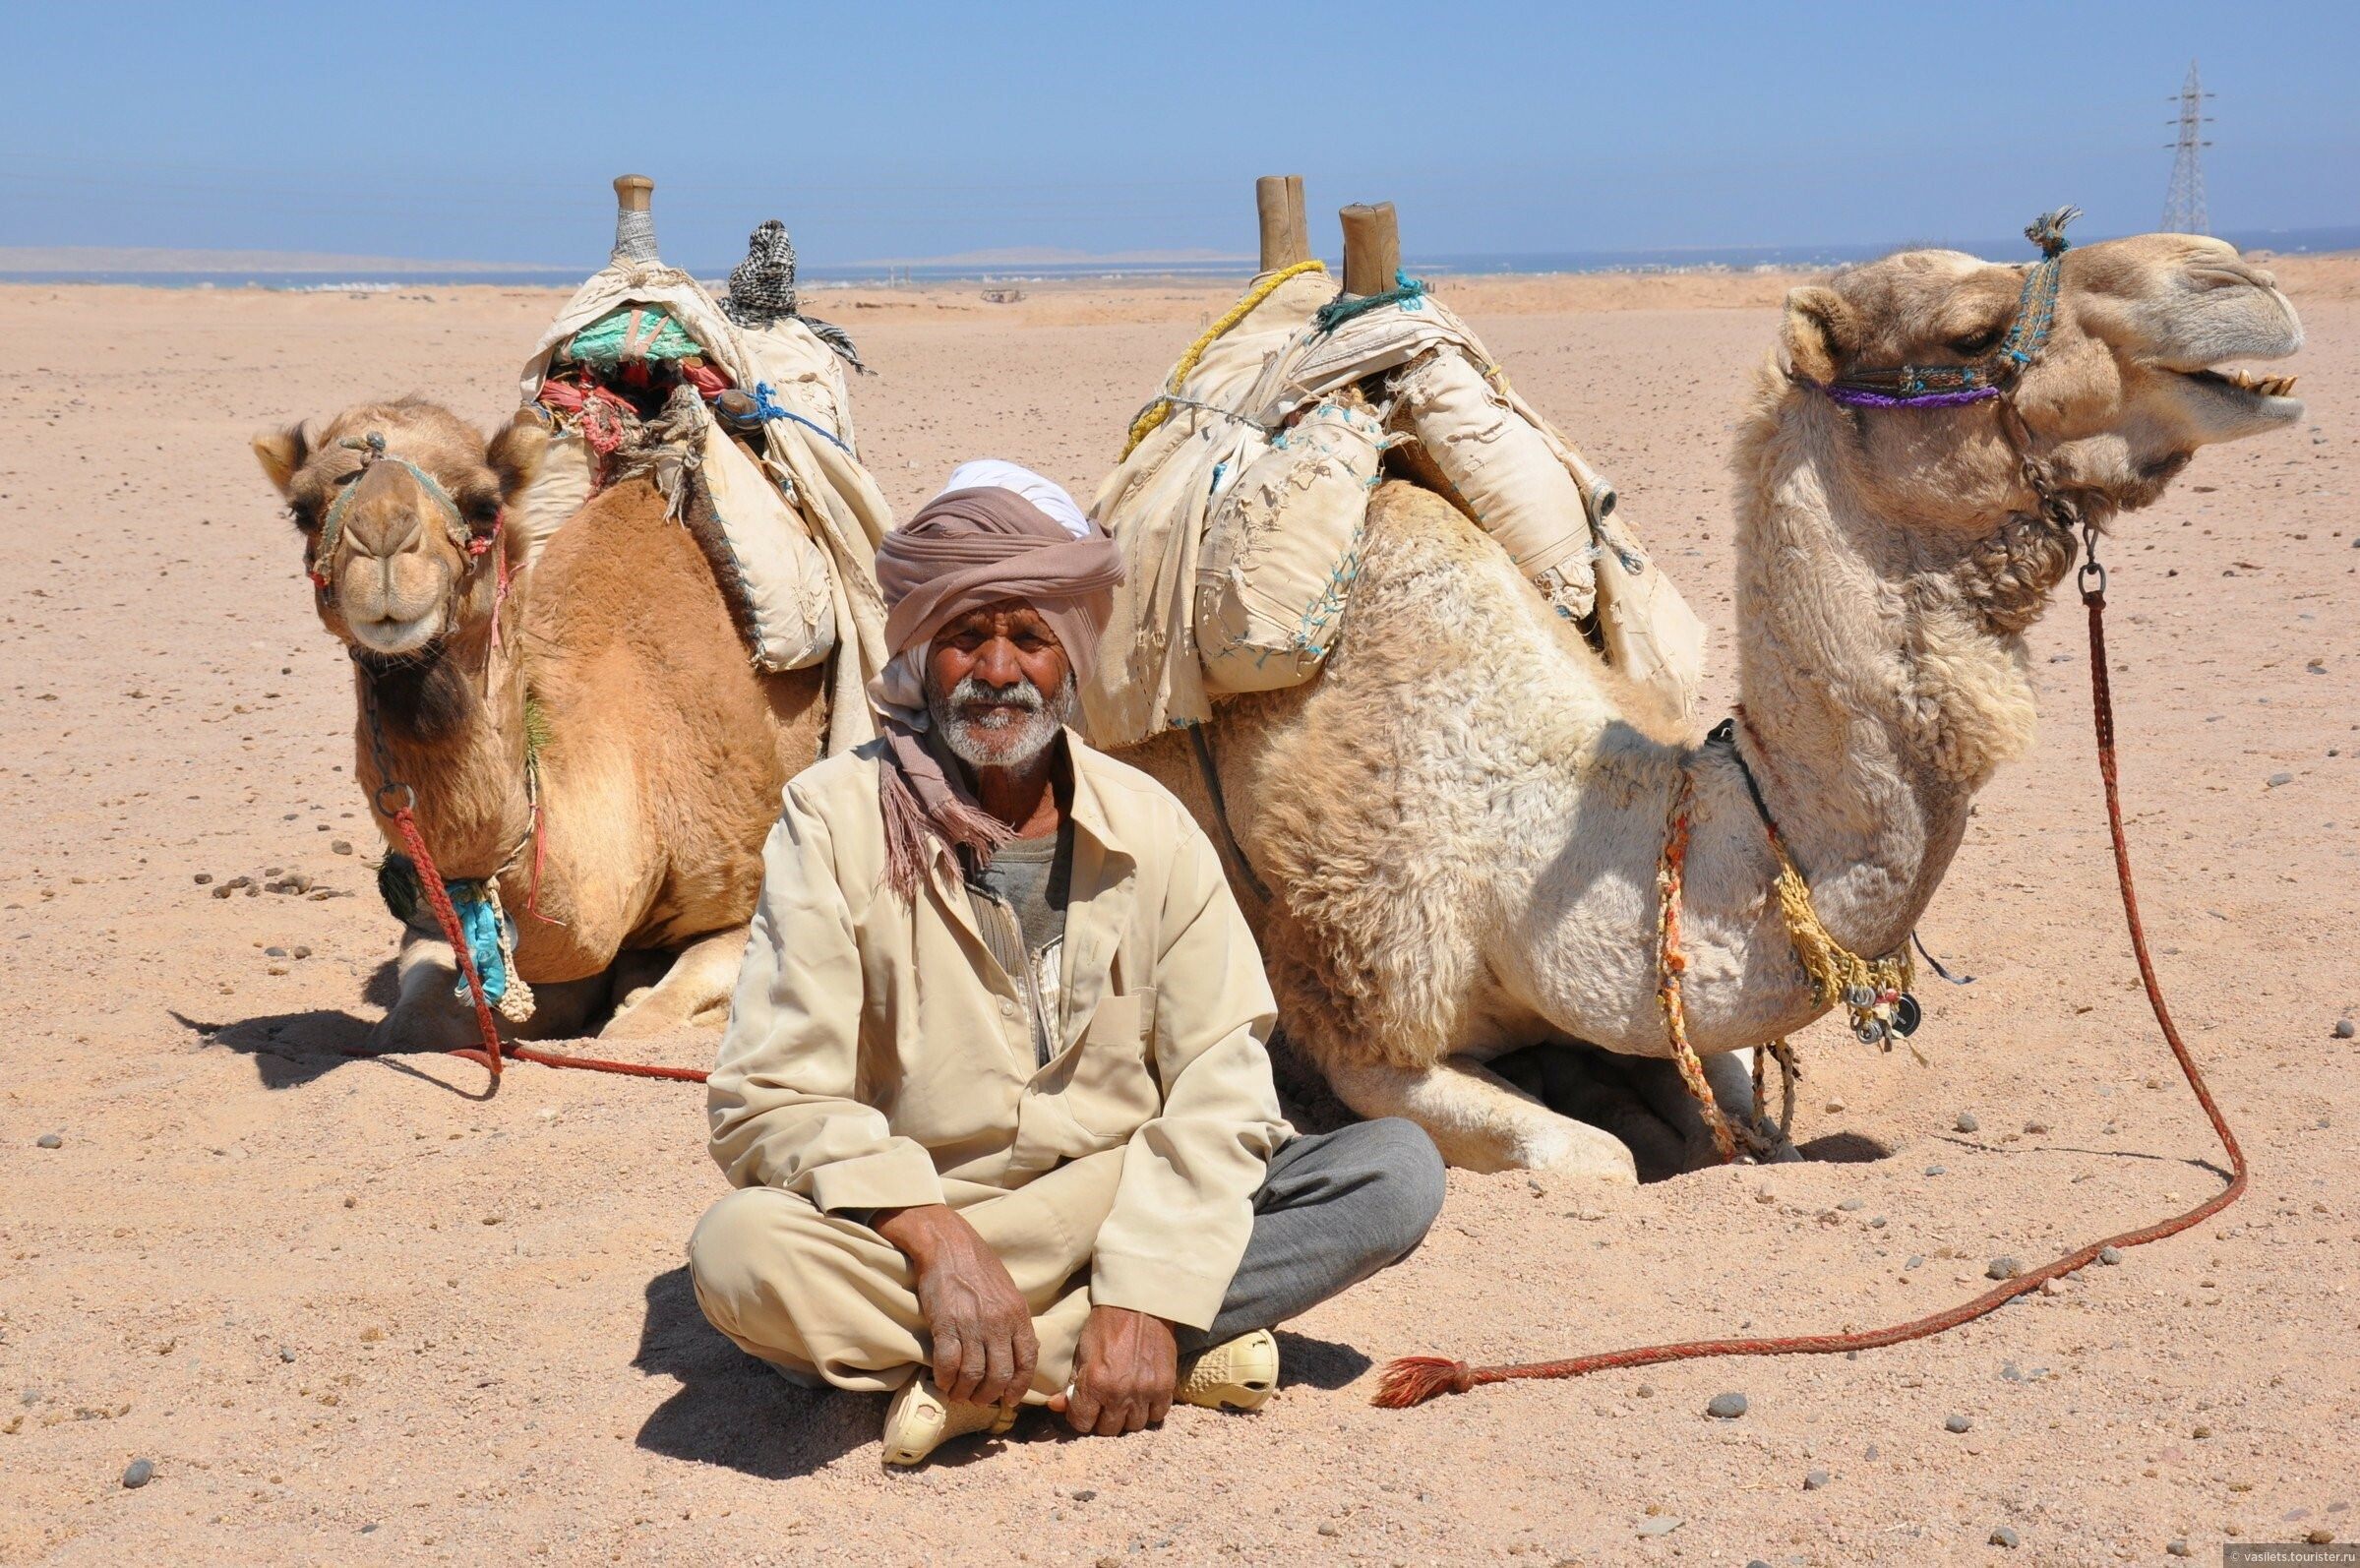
138,1473
1966,1122
1814,1480
1958,1424
2002,1536
1852,1205
1662,1526
1935,1169
1726,1407
340,846
50,1140
2112,1254
2003,1268
2344,1029
2177,1549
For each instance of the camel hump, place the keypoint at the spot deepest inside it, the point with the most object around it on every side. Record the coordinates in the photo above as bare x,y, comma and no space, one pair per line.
1407,510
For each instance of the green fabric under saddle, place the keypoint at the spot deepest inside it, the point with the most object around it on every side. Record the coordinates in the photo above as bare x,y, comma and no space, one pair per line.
633,333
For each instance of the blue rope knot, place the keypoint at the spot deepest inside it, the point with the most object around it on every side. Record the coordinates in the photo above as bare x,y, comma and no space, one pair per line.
766,407
487,930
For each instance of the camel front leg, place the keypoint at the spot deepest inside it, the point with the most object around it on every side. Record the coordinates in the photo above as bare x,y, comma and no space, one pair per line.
695,991
1482,1123
429,1013
424,1016
1729,1075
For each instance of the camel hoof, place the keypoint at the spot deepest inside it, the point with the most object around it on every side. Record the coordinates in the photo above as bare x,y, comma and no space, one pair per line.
639,1020
1585,1154
421,1029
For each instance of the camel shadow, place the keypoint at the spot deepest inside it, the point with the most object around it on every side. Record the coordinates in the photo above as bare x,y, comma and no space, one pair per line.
291,1050
1843,1148
731,1410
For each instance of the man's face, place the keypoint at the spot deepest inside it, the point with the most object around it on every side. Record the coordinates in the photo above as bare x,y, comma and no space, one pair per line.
998,685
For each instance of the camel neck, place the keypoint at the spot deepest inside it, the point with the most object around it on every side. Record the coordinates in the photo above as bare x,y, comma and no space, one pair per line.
1876,703
452,728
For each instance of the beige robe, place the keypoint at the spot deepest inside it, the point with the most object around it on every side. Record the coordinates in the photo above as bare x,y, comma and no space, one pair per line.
878,1057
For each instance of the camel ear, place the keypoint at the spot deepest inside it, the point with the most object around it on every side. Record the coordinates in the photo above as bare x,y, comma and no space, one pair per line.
282,452
1819,333
516,453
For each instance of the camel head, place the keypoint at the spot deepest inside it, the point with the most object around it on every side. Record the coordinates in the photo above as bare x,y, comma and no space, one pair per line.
399,505
2135,373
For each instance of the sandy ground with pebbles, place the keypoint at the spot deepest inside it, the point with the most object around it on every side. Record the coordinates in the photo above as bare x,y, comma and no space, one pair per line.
355,1313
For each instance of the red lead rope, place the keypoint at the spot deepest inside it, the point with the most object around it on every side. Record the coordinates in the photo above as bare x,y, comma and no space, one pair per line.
438,898
1414,1379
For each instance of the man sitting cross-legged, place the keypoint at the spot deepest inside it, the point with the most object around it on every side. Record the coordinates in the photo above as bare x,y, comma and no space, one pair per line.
993,1092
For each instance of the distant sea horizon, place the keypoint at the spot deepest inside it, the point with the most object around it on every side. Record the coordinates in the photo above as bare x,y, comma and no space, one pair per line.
1444,264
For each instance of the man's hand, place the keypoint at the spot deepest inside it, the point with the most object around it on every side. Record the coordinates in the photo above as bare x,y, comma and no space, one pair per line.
985,1349
1124,1373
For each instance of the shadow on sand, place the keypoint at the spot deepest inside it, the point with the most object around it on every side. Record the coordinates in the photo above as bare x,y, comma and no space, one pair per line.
292,1048
732,1410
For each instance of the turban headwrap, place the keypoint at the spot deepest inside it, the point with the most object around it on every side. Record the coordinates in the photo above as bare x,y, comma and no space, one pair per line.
999,532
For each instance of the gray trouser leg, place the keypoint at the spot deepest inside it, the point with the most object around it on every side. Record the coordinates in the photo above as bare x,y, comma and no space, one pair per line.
1335,1208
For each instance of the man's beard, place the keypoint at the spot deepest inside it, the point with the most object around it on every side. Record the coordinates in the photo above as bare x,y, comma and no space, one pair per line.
981,735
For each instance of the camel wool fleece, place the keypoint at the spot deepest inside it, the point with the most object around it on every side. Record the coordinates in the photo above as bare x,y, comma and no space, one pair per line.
879,1056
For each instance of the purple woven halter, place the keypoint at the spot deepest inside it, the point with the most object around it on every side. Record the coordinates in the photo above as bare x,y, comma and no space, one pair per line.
1864,398
1956,386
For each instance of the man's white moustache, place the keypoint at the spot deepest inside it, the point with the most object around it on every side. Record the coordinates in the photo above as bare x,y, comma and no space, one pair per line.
1023,694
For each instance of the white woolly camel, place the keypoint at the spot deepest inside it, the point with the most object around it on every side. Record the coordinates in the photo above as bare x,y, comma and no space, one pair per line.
1461,831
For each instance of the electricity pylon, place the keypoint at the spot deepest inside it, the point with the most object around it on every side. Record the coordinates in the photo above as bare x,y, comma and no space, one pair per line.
2184,204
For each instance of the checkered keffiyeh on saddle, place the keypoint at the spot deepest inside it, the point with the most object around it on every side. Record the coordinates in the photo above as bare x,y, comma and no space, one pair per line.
761,289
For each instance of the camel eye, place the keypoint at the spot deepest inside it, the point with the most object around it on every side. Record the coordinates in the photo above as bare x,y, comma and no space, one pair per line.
1978,342
305,515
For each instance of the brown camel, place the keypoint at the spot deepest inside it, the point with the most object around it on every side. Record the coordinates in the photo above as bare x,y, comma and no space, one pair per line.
1460,823
657,753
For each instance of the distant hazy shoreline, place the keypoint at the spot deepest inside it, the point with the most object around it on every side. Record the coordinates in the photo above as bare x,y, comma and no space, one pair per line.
301,270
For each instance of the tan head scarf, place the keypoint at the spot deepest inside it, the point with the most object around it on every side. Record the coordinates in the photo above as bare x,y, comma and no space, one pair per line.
966,549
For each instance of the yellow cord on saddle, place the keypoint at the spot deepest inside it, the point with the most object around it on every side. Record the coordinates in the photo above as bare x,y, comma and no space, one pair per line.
1156,412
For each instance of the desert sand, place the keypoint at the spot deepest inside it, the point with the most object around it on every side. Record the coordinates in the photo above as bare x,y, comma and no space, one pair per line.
354,1312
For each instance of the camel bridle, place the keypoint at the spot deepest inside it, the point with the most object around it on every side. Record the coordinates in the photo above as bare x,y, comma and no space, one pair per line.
473,542
1994,378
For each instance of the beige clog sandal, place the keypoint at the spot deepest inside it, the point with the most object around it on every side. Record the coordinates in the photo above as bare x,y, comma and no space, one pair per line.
919,1421
1240,1375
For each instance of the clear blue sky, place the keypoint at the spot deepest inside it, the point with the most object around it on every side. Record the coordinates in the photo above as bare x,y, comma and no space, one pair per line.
877,129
